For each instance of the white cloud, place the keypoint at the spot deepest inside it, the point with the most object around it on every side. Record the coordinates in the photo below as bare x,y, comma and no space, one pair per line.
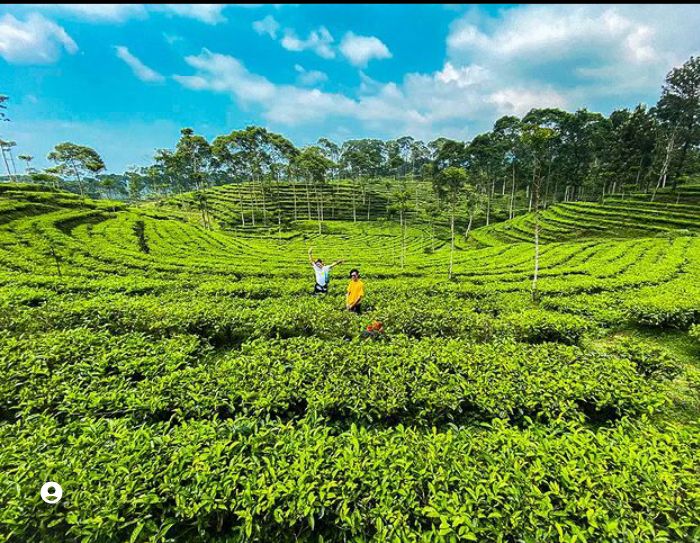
206,13
35,40
143,72
223,73
309,78
172,39
286,104
319,41
585,51
528,56
98,12
268,26
518,101
422,104
359,50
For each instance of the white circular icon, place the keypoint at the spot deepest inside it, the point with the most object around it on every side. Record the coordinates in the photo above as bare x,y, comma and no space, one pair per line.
51,492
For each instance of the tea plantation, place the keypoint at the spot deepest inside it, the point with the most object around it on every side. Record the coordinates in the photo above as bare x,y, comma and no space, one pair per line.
182,384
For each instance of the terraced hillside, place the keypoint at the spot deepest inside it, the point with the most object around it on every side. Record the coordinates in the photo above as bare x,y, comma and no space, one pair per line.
182,384
250,204
630,217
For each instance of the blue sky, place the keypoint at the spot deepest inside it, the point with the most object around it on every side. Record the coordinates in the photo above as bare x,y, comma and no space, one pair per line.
125,79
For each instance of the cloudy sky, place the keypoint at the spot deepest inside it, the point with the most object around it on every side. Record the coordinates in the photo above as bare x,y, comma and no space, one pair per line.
125,78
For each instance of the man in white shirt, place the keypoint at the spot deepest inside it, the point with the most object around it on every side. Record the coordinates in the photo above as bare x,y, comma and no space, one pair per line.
322,273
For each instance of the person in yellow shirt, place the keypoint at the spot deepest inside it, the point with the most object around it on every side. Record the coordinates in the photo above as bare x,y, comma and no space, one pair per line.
356,291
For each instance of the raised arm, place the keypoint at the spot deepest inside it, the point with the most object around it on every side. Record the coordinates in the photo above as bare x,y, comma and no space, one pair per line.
311,258
336,263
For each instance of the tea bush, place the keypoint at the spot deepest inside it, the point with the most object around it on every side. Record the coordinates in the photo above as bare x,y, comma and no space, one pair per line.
182,384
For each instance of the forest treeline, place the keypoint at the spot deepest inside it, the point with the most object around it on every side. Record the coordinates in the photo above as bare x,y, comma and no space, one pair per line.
569,156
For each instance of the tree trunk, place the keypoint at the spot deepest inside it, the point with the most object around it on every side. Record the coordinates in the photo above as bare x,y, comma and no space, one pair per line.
546,185
308,198
254,202
264,207
639,173
469,225
354,205
294,193
80,181
452,240
240,200
681,162
12,160
512,194
667,161
403,237
7,165
319,212
536,190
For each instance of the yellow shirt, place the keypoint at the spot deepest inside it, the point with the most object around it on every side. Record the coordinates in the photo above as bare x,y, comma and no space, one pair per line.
356,289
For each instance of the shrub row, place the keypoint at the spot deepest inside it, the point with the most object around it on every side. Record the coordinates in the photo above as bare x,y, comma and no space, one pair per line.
250,480
431,381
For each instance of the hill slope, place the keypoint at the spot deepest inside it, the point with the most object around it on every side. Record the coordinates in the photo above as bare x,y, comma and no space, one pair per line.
182,384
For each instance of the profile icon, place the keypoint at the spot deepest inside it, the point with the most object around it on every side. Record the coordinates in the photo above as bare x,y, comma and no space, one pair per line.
51,492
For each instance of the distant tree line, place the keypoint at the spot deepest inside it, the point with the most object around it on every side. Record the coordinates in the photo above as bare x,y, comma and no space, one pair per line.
567,156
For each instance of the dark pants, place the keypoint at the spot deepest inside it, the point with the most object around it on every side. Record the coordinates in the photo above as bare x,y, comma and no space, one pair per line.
318,289
357,308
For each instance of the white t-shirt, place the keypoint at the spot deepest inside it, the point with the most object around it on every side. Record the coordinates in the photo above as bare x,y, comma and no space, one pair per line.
322,274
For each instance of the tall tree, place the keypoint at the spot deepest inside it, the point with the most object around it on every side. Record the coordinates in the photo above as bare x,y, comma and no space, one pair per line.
538,140
8,146
26,159
49,177
314,167
77,161
3,106
135,184
679,106
401,203
448,185
507,134
256,155
194,156
4,149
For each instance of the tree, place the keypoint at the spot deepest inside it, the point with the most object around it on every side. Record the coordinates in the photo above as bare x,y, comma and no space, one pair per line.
679,106
114,185
135,184
193,154
27,159
402,204
507,133
474,196
420,156
255,154
448,185
484,158
7,147
448,153
538,140
3,106
3,117
313,166
48,177
331,151
78,161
